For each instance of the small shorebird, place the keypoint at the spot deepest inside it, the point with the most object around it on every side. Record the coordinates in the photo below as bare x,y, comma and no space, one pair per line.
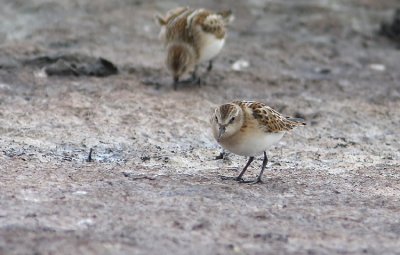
249,129
192,36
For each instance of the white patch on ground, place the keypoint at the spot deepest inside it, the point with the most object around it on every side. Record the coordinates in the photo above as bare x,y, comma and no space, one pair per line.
86,222
377,67
80,192
240,64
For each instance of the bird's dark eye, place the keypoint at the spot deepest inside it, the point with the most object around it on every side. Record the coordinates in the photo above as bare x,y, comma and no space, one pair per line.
232,120
216,118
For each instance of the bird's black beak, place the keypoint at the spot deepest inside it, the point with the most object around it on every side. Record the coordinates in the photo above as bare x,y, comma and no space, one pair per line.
221,132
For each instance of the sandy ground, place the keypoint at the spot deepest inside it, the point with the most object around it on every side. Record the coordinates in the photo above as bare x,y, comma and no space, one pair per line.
153,186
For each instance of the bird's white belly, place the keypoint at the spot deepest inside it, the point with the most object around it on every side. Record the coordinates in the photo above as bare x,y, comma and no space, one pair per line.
211,47
253,144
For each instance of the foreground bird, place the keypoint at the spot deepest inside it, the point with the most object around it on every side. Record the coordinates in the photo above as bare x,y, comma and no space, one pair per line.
249,129
192,36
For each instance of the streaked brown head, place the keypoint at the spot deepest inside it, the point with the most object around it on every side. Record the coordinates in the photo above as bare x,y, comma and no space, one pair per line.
226,121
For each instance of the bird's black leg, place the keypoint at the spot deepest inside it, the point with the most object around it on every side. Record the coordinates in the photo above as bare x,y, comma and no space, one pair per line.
210,66
194,73
264,164
195,79
239,178
176,81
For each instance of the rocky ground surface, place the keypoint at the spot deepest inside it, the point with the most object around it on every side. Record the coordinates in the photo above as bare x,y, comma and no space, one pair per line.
153,185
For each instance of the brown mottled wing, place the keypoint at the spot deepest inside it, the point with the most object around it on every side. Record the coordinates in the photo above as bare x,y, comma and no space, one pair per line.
271,120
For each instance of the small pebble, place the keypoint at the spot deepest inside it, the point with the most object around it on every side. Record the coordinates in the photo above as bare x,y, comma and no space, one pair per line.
240,64
377,67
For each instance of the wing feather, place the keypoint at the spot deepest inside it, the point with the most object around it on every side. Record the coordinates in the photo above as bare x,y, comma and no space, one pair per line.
269,119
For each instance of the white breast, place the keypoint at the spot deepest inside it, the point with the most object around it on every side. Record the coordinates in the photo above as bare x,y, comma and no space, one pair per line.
252,144
211,46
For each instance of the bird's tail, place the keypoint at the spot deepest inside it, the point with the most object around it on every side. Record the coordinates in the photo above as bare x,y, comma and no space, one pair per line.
297,121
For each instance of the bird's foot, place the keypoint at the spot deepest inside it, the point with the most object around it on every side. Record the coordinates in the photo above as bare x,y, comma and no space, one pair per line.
191,81
232,178
196,81
251,182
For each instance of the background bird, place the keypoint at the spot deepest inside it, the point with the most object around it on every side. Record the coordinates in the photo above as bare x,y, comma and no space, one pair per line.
192,36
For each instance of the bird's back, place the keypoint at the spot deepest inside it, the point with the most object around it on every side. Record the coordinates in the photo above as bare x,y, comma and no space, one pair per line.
267,118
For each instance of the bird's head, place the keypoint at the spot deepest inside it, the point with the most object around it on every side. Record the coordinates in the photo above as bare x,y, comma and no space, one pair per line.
226,121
